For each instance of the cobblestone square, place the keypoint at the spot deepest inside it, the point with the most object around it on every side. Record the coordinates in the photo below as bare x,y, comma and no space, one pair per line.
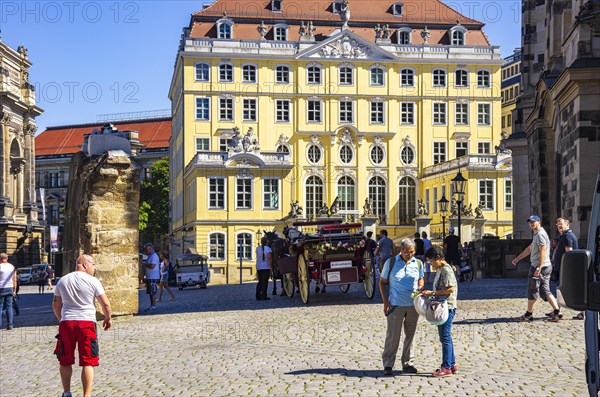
221,342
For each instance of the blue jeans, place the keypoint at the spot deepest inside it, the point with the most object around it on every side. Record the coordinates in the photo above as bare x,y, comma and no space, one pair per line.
6,303
445,332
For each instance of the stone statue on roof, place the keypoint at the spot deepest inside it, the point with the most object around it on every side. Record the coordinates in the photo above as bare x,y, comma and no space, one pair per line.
262,30
302,29
310,29
385,32
425,34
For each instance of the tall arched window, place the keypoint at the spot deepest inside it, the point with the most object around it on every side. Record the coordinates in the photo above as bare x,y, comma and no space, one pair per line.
314,195
346,193
407,200
377,194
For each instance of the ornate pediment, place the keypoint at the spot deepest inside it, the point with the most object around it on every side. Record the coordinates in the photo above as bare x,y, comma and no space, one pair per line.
346,45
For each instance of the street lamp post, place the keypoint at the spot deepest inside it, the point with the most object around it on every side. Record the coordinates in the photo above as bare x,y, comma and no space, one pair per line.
458,183
443,202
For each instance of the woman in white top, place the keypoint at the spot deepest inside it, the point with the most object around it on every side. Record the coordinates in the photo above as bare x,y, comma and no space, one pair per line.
263,269
164,276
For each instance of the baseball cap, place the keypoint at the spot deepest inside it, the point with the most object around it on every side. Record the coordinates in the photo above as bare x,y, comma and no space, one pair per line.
534,218
451,230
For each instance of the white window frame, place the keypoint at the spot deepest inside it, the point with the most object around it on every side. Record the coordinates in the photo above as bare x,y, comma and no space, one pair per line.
317,203
457,113
482,115
316,114
456,148
383,157
223,65
435,200
349,119
207,101
228,107
224,193
224,247
352,154
283,74
444,73
427,202
283,115
412,73
408,32
414,154
437,153
384,210
279,3
492,195
508,192
437,114
484,147
264,193
351,74
198,64
343,203
224,143
204,144
480,74
244,193
413,115
277,29
222,23
314,72
458,35
372,69
395,9
249,65
308,151
456,80
248,110
246,248
378,113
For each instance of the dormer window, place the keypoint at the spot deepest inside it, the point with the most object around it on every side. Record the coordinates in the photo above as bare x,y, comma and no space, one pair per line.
457,35
336,6
404,35
225,29
276,5
397,9
280,32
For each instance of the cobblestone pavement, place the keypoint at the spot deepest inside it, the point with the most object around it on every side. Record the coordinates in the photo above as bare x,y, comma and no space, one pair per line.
221,342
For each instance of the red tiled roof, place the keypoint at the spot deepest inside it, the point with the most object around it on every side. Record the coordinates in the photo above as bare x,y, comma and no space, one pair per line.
153,133
414,11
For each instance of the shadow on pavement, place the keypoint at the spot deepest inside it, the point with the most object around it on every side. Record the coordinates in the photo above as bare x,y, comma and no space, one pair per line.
356,373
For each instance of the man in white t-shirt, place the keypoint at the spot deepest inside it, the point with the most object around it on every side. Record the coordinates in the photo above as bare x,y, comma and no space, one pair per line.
152,275
8,289
74,308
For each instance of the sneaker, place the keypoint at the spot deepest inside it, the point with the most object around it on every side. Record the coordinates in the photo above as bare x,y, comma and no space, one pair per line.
551,314
387,371
66,394
9,328
441,371
454,369
150,309
524,318
409,369
555,318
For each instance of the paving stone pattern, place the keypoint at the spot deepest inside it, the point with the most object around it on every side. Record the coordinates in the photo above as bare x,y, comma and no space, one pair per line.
221,342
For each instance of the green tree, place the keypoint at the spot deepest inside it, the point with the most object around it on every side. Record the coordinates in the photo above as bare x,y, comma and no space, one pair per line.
154,202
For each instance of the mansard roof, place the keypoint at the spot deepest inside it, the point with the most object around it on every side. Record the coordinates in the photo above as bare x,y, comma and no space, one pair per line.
378,11
365,14
153,133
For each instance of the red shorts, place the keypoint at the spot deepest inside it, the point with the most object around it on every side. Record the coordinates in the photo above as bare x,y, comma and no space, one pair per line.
82,333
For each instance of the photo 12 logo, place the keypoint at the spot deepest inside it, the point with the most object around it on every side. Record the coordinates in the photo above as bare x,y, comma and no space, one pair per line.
89,92
69,11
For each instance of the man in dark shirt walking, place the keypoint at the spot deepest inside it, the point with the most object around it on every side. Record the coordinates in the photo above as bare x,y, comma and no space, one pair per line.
420,247
567,241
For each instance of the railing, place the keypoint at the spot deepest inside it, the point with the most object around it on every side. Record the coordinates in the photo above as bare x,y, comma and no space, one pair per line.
472,160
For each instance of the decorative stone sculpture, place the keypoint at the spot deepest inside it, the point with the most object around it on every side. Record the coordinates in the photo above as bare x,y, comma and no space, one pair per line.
453,208
425,34
296,210
323,211
249,142
302,30
310,30
478,212
368,207
262,30
422,210
385,32
377,29
334,208
344,13
236,141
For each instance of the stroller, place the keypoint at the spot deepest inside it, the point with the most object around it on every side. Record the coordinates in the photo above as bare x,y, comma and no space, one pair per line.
465,270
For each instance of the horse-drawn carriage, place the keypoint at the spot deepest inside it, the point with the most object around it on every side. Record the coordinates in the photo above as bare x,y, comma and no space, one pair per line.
335,254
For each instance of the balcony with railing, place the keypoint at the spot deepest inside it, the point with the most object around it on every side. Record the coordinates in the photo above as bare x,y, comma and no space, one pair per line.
472,161
257,160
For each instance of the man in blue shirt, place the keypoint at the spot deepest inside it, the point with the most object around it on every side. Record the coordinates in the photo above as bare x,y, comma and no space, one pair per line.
384,248
402,275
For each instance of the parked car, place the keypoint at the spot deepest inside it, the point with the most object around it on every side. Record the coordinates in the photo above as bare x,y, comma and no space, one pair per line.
25,275
36,269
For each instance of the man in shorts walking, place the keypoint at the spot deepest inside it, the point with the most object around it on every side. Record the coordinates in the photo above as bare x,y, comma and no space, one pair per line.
539,272
73,306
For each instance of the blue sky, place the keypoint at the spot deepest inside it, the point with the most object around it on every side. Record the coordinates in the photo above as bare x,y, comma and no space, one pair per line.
101,57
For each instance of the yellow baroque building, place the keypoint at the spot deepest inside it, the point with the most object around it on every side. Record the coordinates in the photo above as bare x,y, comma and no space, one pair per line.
376,101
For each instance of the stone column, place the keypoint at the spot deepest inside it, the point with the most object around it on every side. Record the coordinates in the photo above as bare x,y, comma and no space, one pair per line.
5,202
478,228
29,202
422,223
467,229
